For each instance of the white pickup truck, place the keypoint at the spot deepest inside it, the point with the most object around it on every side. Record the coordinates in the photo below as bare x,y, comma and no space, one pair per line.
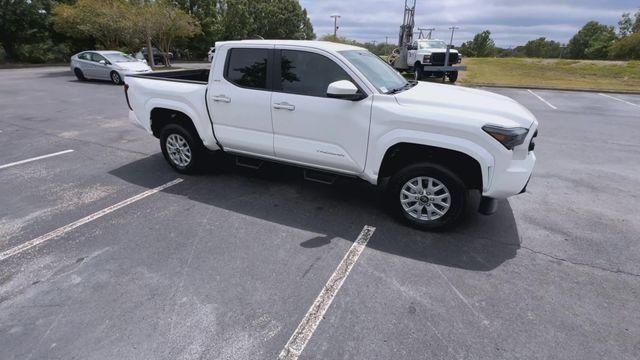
336,109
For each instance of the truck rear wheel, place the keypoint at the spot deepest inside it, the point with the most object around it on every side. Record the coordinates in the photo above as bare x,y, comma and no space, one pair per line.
182,149
426,196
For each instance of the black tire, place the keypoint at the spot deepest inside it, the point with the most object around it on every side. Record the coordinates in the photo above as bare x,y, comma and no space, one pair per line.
453,76
116,78
419,70
452,184
79,74
198,151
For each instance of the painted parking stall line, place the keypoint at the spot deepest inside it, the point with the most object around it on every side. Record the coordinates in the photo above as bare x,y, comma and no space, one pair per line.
35,159
66,228
618,99
312,318
543,100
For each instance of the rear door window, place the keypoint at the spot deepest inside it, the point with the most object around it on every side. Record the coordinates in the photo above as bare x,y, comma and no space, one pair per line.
307,73
248,67
85,56
97,57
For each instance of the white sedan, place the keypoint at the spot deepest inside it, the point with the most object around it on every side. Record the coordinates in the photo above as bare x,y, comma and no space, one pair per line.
106,65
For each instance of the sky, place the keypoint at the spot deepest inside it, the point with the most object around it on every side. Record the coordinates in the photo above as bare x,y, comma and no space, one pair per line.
511,22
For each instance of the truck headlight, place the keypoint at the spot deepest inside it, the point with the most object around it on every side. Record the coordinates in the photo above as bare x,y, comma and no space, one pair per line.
426,59
509,137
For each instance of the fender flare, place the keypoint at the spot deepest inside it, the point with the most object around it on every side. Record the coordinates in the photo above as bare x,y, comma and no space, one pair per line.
203,126
467,147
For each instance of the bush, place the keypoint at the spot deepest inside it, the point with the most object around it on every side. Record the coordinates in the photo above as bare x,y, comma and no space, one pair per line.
626,48
44,52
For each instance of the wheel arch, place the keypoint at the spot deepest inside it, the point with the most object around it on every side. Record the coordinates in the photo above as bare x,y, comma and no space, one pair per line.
444,150
164,111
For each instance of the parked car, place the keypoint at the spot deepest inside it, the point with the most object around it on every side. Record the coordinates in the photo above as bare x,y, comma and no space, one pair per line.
106,65
211,53
336,109
158,56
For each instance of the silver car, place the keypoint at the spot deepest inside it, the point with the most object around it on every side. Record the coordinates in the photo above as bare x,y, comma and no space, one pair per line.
106,65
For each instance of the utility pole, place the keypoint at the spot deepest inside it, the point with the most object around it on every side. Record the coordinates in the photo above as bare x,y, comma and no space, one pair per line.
386,40
453,29
335,25
446,55
374,42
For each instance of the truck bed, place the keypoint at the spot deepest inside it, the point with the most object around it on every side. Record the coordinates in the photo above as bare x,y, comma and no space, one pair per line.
200,76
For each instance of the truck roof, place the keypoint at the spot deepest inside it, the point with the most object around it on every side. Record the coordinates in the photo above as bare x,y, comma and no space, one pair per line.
323,45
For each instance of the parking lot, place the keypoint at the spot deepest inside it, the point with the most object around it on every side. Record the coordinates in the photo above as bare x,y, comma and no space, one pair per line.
106,255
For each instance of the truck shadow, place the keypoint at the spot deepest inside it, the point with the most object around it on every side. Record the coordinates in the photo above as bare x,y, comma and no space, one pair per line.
278,194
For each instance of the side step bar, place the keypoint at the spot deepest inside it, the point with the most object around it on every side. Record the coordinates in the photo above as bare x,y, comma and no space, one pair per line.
320,177
250,163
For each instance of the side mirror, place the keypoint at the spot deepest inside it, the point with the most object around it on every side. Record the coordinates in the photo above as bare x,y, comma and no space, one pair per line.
103,62
344,89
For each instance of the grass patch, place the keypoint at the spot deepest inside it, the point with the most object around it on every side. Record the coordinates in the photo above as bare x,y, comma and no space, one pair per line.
553,73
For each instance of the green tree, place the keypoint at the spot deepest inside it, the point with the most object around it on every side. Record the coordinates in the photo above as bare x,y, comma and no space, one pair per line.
170,23
23,22
625,25
592,41
481,46
106,21
542,48
636,24
626,48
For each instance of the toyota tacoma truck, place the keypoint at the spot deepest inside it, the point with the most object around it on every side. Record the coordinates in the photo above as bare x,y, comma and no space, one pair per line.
339,110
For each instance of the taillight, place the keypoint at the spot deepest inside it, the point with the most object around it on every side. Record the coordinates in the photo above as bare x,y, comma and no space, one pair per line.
126,95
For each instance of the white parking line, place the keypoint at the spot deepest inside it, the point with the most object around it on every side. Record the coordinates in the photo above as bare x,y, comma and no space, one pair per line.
309,323
615,98
543,100
34,159
64,229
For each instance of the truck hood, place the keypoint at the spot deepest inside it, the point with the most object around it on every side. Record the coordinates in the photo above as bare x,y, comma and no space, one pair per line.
477,104
432,50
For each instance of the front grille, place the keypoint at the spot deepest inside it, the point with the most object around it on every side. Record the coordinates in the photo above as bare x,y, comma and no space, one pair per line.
438,58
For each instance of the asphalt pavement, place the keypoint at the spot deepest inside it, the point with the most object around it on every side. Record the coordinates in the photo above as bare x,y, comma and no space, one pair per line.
107,255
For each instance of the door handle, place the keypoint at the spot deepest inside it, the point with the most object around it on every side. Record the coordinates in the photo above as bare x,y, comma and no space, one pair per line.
221,98
284,106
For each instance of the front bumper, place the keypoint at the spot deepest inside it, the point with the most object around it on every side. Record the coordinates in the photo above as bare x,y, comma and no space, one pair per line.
511,180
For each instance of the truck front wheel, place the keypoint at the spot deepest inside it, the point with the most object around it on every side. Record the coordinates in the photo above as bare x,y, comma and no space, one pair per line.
419,71
181,150
427,196
453,76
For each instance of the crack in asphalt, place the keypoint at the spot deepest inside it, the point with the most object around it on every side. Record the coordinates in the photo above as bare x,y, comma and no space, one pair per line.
617,271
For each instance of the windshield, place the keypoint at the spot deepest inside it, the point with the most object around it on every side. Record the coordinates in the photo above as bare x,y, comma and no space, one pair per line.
431,44
119,57
379,73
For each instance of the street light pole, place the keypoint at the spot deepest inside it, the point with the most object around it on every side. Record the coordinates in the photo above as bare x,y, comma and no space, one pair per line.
335,25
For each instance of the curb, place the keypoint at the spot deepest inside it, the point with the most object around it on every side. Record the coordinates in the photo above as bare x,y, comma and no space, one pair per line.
552,88
28,66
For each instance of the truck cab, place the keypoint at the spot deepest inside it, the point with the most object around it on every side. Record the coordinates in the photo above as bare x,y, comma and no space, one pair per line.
339,110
